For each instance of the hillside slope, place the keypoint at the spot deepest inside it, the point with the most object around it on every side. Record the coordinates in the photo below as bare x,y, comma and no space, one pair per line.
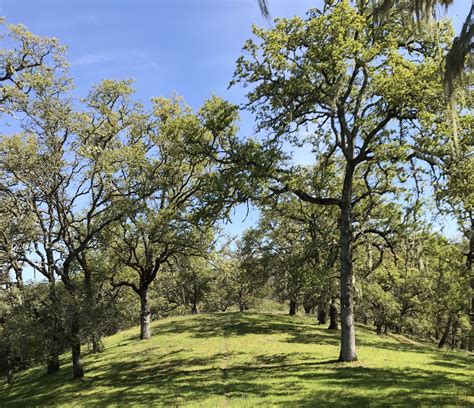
234,359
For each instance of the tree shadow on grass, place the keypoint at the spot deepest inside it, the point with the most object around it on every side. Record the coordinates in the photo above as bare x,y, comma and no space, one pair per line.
375,387
172,379
183,381
242,324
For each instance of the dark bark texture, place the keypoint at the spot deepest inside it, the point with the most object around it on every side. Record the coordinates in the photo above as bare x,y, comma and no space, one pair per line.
321,314
292,311
332,316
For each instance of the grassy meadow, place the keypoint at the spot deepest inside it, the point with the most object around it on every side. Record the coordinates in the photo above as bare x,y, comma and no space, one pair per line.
251,359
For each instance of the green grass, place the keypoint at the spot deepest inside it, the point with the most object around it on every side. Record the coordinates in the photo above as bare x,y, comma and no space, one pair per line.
247,360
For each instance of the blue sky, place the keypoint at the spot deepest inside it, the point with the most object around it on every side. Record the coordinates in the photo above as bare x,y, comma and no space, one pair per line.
186,46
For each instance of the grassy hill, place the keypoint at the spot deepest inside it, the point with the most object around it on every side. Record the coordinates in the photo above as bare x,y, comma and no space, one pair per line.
234,359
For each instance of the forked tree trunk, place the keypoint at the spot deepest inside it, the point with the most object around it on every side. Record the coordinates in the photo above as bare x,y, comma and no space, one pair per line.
308,308
145,315
332,315
348,346
292,308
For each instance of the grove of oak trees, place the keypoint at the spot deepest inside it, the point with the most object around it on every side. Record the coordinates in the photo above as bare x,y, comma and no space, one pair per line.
105,199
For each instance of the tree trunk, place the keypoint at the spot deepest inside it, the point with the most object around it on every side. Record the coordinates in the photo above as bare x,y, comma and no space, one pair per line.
292,308
321,314
444,338
332,315
241,302
145,315
194,308
9,370
77,370
470,269
379,328
307,308
53,365
453,334
91,302
348,346
97,346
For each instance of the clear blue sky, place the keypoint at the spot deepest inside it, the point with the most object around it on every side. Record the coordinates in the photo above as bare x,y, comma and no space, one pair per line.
187,46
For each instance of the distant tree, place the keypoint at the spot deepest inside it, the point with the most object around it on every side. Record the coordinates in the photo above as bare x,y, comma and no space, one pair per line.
175,222
224,280
68,172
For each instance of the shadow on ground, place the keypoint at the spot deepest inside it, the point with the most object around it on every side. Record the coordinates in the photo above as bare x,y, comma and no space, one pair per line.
172,379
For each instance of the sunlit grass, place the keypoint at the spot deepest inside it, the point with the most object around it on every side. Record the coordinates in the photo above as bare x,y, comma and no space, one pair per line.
234,359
